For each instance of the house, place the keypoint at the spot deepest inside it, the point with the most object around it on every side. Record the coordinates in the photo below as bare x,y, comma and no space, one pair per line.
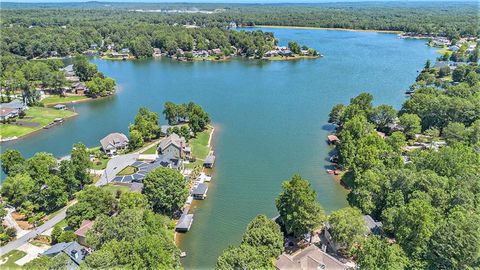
454,48
173,145
156,52
332,139
200,191
15,104
184,223
80,88
60,107
374,227
113,142
285,53
8,113
74,251
125,50
440,64
271,53
81,233
310,258
93,46
216,51
209,161
136,187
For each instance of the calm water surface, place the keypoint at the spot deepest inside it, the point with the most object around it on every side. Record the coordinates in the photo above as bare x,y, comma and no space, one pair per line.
270,120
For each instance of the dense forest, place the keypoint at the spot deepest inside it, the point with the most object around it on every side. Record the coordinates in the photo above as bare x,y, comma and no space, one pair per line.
42,30
418,170
451,19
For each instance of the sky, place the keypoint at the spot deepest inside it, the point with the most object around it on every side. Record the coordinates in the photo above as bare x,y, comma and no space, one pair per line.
225,1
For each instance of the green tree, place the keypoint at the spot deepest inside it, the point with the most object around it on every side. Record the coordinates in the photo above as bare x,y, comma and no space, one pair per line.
376,254
347,227
53,194
171,113
382,116
132,200
56,232
83,69
146,122
18,189
456,242
410,124
66,237
294,47
136,140
166,190
80,159
336,113
11,158
243,257
455,132
60,261
40,166
265,235
299,212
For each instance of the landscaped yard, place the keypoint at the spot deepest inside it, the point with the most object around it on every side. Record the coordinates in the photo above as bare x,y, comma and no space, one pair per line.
200,147
114,188
100,164
52,100
11,258
128,170
151,150
35,115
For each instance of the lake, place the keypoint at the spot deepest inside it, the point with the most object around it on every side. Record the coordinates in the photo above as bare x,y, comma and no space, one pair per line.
270,119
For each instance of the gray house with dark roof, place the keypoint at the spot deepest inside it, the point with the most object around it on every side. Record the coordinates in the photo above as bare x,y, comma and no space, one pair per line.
113,142
173,145
73,250
200,192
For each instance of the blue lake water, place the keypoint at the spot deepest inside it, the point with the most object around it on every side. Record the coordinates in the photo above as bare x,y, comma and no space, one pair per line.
270,119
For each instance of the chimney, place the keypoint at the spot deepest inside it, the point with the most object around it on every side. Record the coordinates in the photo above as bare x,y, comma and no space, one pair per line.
74,254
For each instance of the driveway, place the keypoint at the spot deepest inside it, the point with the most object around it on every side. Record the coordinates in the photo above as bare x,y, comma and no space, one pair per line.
32,253
33,233
114,166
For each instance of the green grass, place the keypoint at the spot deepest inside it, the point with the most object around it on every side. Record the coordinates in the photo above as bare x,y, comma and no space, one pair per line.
100,164
113,188
40,115
128,170
151,150
444,51
52,100
199,144
294,57
12,256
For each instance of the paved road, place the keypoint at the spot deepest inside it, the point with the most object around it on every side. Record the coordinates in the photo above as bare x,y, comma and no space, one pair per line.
114,166
32,234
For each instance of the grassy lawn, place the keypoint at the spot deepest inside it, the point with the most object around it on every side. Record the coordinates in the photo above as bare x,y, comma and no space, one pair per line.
151,150
444,51
295,57
100,164
199,144
113,188
12,257
52,100
128,170
40,115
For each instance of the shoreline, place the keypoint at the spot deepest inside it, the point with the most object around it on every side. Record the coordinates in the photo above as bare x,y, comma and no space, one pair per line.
88,99
325,28
192,207
37,131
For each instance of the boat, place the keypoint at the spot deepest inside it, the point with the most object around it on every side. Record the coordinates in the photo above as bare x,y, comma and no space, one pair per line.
183,254
330,171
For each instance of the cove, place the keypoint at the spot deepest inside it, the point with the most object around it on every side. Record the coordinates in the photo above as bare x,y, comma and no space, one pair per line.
270,120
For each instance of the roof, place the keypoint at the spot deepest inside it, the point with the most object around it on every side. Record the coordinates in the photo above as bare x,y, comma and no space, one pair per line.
201,189
84,227
114,140
59,106
14,104
332,138
7,111
310,258
372,225
138,187
440,64
74,250
184,222
210,159
174,140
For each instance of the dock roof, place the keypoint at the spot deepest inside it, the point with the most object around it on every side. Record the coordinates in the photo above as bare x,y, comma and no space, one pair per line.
201,189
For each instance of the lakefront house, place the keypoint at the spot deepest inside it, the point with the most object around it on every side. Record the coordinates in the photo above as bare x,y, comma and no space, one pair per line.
114,142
